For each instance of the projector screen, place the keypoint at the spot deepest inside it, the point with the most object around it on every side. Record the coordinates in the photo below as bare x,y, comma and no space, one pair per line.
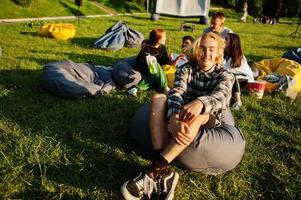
183,8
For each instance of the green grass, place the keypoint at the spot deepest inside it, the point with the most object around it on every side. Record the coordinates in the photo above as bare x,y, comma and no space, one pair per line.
46,8
123,6
51,148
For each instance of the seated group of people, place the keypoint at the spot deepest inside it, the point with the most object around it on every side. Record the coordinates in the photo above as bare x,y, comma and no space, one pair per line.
191,122
234,59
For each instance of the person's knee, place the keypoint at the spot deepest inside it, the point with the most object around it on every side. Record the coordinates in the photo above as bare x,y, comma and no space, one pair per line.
158,99
197,124
200,120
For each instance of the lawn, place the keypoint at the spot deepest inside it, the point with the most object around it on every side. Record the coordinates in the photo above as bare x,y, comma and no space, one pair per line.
51,148
46,8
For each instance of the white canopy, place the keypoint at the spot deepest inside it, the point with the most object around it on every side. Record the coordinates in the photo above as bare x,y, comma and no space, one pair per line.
183,8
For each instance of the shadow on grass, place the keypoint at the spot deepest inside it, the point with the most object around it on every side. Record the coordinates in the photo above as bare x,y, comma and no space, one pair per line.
254,57
75,12
97,59
94,128
99,173
31,33
280,136
272,183
86,42
122,6
281,48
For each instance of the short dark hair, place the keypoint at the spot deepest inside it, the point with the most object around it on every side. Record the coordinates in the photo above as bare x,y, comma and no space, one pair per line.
188,37
219,15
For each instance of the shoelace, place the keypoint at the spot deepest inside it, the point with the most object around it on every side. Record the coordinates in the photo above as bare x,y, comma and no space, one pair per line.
161,186
148,185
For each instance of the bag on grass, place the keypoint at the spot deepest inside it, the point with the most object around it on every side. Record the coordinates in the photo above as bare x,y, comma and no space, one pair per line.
61,31
157,78
152,64
169,71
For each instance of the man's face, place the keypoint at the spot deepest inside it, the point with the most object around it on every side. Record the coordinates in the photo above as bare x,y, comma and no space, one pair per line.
186,43
216,25
208,53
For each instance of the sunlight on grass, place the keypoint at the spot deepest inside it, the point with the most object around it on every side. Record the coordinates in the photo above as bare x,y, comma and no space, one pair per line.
53,148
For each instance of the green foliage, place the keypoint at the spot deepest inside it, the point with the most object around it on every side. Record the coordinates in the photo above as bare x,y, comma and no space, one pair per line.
287,8
46,8
125,6
255,7
291,8
24,3
239,5
53,148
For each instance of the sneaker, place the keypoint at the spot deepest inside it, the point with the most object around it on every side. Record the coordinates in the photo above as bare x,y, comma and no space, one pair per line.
166,184
133,91
137,188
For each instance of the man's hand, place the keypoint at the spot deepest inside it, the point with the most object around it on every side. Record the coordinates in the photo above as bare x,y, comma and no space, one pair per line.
191,110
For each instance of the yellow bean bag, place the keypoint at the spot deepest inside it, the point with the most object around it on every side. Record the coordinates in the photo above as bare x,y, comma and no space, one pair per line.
282,66
169,71
59,31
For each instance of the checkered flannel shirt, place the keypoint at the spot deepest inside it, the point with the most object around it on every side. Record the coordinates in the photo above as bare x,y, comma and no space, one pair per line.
213,89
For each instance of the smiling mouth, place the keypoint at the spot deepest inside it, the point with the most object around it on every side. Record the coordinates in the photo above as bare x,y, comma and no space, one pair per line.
206,58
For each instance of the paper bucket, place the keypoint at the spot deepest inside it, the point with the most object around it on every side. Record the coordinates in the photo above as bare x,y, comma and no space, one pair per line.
257,88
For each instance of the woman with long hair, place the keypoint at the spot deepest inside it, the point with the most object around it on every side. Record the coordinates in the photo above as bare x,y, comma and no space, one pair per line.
236,62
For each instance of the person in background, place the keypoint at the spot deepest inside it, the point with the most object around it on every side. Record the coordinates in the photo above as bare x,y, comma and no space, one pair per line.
193,124
217,25
155,46
180,59
235,62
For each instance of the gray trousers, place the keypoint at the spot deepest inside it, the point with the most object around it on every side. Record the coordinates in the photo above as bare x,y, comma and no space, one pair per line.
213,151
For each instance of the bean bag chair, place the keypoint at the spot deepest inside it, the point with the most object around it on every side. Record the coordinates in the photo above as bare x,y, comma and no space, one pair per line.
214,151
281,66
118,36
139,129
61,31
72,80
123,73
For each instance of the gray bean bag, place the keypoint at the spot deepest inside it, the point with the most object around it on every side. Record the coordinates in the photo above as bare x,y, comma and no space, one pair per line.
123,73
72,80
118,36
213,151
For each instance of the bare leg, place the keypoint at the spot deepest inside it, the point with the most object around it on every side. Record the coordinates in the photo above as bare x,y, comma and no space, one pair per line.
173,149
157,122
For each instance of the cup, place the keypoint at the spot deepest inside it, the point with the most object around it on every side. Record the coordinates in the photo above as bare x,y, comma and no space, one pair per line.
257,88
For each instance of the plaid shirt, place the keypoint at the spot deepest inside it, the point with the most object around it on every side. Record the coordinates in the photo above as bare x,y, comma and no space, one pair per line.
214,89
